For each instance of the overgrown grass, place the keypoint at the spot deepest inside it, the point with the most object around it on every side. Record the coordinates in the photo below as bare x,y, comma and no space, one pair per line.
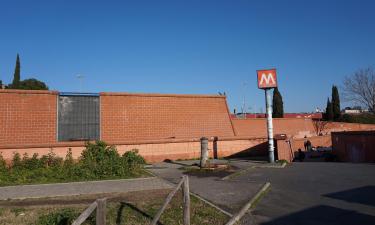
97,162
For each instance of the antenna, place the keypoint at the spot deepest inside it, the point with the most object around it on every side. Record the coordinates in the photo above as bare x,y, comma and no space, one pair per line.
244,84
80,77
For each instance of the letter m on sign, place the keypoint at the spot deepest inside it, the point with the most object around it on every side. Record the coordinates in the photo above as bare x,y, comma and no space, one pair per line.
267,78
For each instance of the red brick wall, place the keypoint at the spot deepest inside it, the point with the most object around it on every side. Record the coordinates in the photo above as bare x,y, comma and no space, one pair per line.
153,151
295,127
27,117
322,141
153,116
287,152
290,126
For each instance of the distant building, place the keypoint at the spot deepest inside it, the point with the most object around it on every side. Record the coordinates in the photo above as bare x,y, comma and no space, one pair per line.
354,110
286,115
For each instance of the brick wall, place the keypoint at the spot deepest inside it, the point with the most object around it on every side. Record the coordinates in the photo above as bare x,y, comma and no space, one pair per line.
155,151
154,116
258,127
287,151
294,127
27,117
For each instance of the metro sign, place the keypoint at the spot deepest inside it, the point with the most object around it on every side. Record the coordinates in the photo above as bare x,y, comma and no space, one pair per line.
267,78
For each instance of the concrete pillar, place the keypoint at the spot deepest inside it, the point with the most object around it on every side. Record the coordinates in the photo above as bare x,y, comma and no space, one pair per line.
204,152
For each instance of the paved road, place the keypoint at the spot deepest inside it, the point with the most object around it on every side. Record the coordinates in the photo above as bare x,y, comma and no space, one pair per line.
315,193
80,188
229,195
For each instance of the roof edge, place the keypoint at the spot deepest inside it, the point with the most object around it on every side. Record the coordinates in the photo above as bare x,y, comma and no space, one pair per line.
159,95
20,91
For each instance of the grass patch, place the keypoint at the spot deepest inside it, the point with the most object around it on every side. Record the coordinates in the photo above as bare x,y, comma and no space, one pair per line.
98,161
130,208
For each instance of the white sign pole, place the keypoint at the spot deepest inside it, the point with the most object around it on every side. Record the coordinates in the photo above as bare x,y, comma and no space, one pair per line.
271,156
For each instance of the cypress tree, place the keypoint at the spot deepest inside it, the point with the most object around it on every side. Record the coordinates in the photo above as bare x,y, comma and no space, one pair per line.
17,74
277,104
329,110
335,103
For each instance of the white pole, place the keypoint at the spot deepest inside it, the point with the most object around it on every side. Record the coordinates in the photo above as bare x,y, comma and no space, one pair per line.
271,157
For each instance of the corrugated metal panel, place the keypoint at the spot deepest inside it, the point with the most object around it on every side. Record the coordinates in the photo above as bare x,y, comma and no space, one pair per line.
78,117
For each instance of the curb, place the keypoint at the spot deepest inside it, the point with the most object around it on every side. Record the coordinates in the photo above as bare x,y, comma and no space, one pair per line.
283,165
249,204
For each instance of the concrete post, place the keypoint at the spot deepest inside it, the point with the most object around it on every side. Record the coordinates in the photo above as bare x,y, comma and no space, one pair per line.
204,152
271,157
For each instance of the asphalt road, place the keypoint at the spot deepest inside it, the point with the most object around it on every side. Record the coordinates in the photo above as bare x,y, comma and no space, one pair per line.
315,193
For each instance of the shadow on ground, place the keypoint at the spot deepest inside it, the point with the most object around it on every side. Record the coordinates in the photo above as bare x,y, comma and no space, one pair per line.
134,208
363,195
324,215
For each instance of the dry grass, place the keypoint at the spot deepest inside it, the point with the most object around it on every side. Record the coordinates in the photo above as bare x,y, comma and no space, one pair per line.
130,208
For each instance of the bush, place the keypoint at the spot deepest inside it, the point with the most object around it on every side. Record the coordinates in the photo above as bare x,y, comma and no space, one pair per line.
133,160
97,161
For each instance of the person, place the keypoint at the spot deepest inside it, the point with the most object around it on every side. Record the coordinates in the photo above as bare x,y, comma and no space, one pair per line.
305,143
308,145
301,155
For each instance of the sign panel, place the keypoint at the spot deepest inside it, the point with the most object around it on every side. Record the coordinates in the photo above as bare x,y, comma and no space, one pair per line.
267,78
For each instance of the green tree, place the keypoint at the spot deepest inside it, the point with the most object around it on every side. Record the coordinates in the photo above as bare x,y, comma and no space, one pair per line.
32,84
277,104
329,111
17,74
335,103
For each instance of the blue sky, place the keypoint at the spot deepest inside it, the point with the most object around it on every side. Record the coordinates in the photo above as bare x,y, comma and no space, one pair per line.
194,47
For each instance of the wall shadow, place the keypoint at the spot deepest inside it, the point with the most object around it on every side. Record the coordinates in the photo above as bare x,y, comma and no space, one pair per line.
363,195
258,151
324,215
214,145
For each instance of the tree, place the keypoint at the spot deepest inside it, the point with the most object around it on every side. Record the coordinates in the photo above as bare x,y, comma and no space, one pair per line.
335,103
28,84
320,126
32,84
329,111
277,104
17,74
360,88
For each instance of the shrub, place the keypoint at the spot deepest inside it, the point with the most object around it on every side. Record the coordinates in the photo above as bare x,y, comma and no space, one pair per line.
16,161
100,160
97,161
133,160
3,164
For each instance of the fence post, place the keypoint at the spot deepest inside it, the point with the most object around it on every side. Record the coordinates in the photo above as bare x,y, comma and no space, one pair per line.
101,211
186,192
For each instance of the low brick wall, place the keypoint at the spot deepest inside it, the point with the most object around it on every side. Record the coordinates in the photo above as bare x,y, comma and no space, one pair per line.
155,150
322,141
286,150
